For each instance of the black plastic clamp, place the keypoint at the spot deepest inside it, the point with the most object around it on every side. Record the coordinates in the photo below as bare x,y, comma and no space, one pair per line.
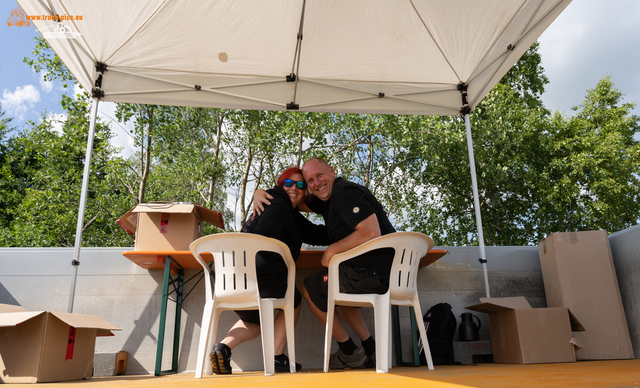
101,67
97,93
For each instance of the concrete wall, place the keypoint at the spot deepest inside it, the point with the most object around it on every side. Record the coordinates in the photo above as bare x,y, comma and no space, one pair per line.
127,296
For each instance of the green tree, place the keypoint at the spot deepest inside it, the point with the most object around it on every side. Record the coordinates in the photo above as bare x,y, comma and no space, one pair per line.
592,181
47,212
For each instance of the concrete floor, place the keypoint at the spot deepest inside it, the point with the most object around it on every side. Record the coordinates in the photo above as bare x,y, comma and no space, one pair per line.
600,374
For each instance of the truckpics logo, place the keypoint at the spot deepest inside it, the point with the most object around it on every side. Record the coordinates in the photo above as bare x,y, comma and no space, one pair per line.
17,18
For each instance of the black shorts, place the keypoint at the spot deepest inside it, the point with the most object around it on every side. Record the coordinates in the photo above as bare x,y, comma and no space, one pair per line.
253,316
360,275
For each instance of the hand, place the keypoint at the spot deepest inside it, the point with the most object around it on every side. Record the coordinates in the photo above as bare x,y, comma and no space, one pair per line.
260,200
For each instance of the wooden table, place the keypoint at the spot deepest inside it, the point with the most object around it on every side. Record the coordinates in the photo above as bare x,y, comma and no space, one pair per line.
175,262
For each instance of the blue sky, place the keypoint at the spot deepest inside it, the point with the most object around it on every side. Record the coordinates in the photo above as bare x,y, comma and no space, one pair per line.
589,40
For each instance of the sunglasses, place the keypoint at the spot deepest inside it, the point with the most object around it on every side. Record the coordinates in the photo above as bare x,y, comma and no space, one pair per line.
299,184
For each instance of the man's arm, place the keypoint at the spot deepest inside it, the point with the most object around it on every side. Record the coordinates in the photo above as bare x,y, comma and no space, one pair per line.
366,230
260,200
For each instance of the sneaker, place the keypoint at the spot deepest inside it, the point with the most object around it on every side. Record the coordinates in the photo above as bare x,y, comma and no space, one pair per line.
339,360
371,361
221,359
282,364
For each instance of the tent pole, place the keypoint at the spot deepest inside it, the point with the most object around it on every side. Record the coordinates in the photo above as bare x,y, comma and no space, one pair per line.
476,203
83,200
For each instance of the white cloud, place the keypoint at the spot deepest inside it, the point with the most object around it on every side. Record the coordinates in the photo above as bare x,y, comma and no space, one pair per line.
47,86
19,102
123,132
57,120
77,90
589,40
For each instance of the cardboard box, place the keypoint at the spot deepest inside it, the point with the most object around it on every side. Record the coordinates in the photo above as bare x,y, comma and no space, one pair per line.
47,346
524,335
162,226
578,273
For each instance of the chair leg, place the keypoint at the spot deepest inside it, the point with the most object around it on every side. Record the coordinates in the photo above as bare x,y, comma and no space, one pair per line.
267,334
328,332
390,340
382,310
289,320
205,334
423,333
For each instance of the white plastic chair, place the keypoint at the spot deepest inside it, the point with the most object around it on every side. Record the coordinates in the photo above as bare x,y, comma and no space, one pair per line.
236,288
409,248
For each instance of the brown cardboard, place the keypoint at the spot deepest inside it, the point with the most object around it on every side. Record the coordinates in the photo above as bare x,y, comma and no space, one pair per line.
578,273
39,346
162,226
524,335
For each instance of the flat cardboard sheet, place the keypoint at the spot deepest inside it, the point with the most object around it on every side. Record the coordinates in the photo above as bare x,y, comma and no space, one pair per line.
579,274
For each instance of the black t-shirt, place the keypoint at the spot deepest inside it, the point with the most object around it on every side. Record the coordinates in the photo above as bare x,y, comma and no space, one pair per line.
348,205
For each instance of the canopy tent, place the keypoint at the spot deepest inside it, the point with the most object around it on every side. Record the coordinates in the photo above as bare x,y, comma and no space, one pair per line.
423,57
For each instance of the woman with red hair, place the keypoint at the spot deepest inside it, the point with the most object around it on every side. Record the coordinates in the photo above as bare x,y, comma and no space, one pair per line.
280,220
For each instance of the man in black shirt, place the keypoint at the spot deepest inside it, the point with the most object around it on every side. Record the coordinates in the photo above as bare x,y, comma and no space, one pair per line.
353,216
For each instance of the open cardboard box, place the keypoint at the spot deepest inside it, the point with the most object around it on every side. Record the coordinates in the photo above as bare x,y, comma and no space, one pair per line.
47,346
165,226
579,274
524,335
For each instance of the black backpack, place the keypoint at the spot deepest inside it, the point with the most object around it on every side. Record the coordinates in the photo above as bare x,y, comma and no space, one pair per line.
440,324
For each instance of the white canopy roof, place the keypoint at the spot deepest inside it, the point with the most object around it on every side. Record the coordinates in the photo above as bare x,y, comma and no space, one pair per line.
354,56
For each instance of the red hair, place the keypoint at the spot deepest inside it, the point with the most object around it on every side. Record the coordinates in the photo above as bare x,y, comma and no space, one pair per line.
286,174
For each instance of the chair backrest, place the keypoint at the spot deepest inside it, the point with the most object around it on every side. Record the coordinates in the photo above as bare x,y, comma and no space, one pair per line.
409,247
234,257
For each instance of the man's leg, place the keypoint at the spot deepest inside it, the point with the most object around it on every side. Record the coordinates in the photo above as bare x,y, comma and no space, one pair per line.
353,317
339,332
349,354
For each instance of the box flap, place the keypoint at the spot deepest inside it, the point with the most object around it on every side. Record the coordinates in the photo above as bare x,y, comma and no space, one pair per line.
13,319
87,322
10,308
211,216
488,305
165,207
575,324
129,221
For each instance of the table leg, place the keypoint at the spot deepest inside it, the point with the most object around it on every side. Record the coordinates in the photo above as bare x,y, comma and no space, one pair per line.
414,337
163,314
176,330
396,334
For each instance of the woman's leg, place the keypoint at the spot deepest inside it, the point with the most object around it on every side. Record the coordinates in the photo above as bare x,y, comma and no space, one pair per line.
241,332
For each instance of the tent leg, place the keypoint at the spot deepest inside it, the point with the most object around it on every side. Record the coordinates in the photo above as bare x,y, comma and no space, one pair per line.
83,200
476,202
